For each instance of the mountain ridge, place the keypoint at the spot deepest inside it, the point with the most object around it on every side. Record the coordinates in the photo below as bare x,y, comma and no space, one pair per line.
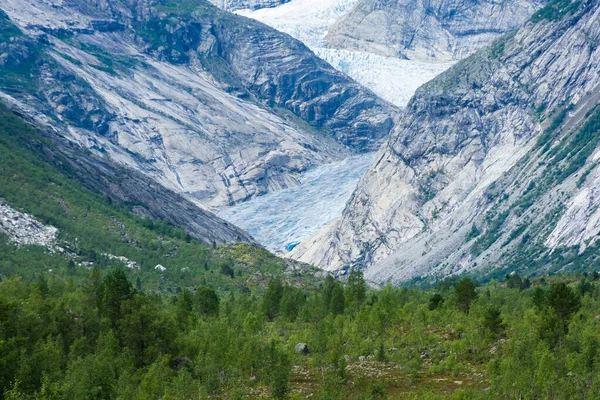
427,206
152,85
439,30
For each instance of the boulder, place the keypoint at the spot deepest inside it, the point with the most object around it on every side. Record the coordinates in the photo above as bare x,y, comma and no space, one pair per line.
302,348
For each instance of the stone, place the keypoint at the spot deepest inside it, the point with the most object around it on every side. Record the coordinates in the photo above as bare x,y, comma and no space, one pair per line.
22,229
302,348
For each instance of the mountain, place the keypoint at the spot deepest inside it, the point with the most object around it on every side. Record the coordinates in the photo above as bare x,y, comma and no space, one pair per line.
64,211
309,21
434,30
233,5
25,139
207,103
492,169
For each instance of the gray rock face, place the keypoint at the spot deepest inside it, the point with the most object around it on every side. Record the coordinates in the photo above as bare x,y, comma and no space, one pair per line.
493,165
206,103
439,30
233,5
126,186
302,348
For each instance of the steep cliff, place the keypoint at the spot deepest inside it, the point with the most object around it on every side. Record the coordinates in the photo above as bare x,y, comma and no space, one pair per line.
33,138
205,102
493,167
438,30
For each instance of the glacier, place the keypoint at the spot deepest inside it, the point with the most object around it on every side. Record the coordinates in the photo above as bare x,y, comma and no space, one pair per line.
305,20
280,220
391,78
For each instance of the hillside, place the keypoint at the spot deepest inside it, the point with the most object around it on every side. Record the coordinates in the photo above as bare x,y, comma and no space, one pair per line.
493,167
205,102
105,338
63,216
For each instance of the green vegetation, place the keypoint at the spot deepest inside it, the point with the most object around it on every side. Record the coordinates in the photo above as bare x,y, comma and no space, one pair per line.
492,234
91,227
22,55
473,233
555,10
563,159
8,30
100,337
178,7
497,48
225,322
110,63
579,148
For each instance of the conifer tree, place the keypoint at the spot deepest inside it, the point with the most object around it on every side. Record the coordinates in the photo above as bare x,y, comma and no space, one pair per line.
356,291
465,294
207,301
272,299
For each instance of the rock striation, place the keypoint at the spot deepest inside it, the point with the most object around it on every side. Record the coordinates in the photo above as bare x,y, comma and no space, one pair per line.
432,30
206,103
125,186
493,168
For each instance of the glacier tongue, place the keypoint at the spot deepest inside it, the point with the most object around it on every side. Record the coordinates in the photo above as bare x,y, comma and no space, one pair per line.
279,220
282,219
391,78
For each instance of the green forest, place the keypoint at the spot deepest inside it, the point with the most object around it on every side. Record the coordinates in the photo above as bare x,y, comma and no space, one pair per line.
103,338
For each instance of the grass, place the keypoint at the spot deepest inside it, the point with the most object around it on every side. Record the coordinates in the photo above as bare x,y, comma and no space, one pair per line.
90,225
555,10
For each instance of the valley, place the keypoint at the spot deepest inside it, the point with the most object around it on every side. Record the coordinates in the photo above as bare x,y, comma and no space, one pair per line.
299,199
392,78
281,220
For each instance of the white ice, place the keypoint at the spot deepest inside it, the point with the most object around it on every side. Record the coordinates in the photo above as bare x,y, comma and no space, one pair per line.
305,20
280,220
392,79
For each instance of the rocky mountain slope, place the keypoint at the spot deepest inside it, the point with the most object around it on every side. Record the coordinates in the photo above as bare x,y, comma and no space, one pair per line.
492,169
309,21
205,102
21,229
438,30
25,137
